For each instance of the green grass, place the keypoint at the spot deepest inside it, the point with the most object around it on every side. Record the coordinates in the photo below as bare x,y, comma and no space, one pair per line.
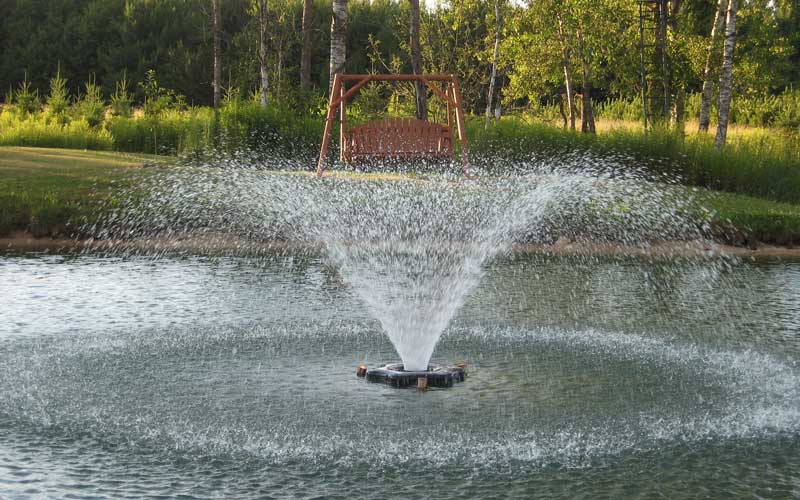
745,219
50,192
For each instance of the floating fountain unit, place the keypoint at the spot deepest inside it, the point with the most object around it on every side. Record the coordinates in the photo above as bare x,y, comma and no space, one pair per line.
395,375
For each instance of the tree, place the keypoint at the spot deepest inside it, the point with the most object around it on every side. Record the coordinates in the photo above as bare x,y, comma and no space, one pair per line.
338,40
708,83
726,76
262,50
495,53
587,113
305,55
567,65
416,62
216,28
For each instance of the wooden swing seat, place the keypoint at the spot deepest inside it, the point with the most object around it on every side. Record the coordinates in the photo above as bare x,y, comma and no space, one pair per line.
398,138
394,137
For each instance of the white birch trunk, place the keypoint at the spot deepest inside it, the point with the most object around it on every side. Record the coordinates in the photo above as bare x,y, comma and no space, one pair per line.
338,40
565,62
215,28
262,53
726,77
495,55
708,82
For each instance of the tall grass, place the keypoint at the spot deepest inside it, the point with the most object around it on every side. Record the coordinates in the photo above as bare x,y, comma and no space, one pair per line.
17,129
170,132
766,166
779,111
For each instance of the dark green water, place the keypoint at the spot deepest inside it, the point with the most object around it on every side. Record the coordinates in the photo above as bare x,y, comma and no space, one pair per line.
198,378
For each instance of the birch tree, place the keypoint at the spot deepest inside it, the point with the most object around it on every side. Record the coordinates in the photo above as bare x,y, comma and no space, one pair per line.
726,76
262,50
567,66
708,83
338,40
216,28
416,62
495,54
587,113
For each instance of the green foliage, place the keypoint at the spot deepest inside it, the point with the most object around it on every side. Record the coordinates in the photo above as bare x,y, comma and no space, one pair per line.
33,130
170,132
620,108
121,100
58,99
766,166
245,125
781,110
27,98
90,106
158,99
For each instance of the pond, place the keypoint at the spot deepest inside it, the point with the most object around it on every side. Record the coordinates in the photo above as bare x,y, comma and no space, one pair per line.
235,378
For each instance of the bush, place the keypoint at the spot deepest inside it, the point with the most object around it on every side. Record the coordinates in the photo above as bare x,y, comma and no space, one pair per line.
245,125
90,106
37,131
169,133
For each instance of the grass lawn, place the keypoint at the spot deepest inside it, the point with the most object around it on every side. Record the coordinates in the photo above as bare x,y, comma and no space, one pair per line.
50,192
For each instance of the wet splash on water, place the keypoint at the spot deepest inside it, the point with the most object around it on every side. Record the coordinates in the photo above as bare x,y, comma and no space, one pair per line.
113,389
411,248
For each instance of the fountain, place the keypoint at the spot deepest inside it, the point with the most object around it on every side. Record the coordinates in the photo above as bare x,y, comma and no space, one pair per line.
413,249
209,349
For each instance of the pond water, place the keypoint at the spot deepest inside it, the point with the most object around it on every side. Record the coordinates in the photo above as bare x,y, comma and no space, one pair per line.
235,378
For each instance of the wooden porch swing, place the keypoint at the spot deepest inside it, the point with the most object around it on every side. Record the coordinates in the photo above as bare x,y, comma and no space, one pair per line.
394,137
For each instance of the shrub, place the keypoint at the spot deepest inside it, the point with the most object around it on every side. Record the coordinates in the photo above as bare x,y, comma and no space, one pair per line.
121,101
37,131
58,99
90,106
169,133
27,99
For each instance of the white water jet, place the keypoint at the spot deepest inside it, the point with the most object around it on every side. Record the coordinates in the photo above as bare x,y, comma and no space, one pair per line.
412,250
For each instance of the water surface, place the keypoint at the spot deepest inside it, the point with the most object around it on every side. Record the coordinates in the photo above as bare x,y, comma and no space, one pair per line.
234,378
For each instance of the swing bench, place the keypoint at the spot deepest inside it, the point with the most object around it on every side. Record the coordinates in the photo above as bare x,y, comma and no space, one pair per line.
394,138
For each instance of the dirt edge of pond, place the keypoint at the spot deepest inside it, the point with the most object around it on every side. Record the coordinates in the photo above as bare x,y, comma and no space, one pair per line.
216,244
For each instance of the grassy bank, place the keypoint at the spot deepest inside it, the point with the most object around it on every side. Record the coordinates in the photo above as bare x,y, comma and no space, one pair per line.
50,192
757,162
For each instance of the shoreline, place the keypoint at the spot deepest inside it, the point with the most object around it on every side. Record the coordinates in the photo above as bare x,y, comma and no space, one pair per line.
216,244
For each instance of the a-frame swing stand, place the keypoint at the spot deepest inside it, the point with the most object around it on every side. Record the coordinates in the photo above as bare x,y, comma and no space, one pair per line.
394,137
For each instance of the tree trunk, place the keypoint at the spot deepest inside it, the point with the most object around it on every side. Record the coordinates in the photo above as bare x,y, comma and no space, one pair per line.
416,62
678,117
565,62
495,55
708,84
587,113
216,27
305,55
338,39
726,77
262,53
561,109
679,111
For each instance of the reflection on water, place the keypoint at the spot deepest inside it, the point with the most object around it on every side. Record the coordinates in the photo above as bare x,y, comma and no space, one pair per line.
234,378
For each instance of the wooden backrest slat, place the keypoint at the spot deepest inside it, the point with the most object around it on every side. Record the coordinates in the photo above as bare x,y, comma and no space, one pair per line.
399,137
